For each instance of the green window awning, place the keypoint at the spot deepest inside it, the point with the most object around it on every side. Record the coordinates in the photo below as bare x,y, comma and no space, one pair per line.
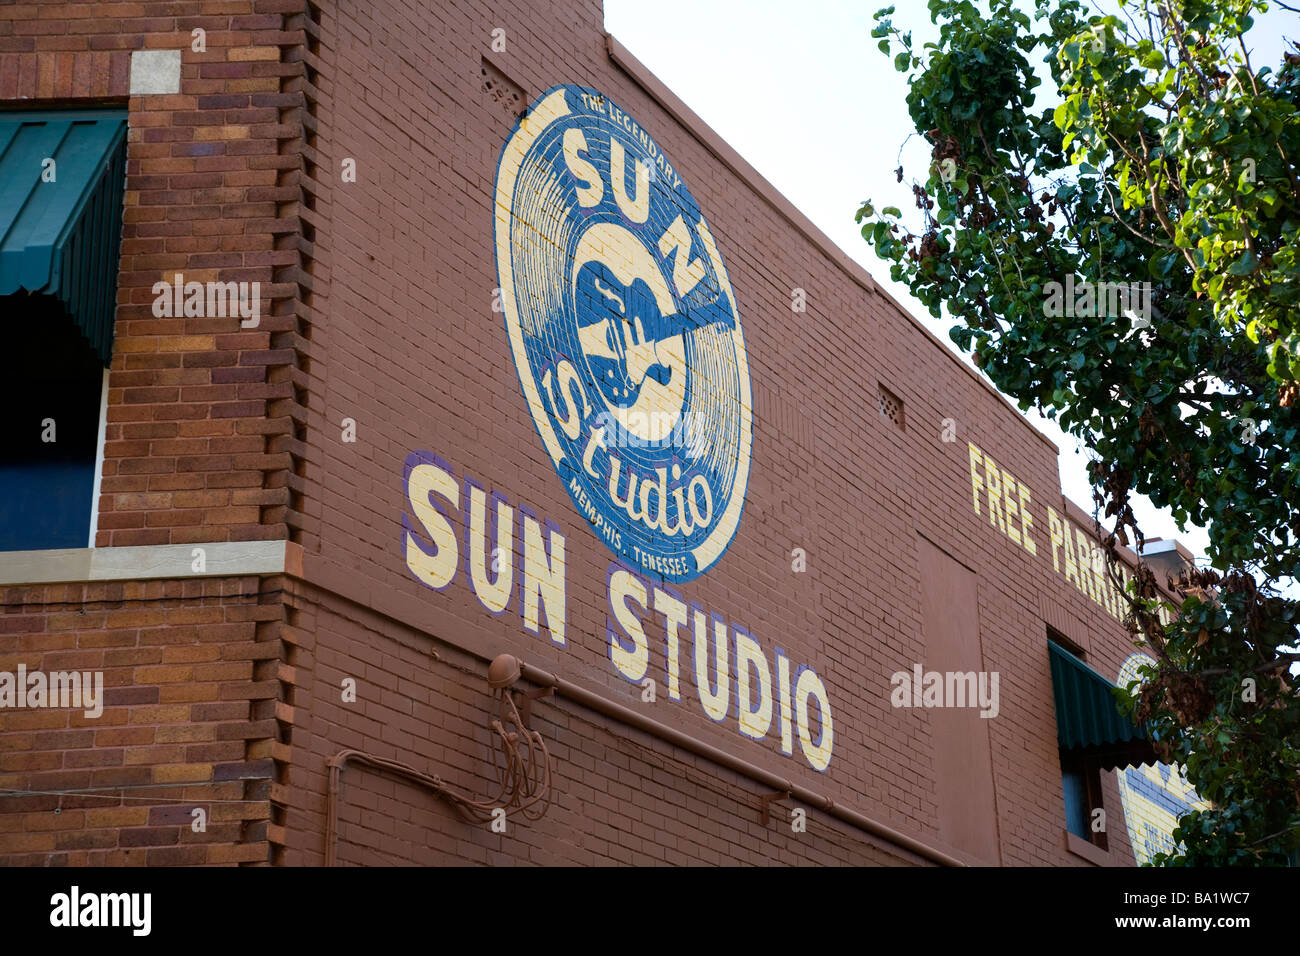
61,224
1088,719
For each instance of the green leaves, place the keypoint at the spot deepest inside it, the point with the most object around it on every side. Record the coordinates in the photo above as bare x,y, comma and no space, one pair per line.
1245,265
1165,170
1153,60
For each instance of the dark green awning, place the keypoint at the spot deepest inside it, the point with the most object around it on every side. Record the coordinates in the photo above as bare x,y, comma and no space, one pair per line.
62,237
1088,719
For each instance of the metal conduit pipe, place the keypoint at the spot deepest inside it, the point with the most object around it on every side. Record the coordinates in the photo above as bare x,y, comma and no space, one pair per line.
336,764
698,747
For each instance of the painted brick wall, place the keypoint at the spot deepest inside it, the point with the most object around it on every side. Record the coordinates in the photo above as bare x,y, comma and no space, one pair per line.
413,353
621,796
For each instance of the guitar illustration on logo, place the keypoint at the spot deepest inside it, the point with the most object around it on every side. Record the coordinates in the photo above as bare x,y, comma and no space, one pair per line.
619,345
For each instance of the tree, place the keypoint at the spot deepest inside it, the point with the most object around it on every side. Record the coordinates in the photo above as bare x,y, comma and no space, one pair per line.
1125,261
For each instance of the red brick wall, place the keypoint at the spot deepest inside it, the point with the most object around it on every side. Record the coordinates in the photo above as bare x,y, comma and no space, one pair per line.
203,421
190,675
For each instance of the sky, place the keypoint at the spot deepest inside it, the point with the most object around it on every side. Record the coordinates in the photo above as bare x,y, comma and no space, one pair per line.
802,93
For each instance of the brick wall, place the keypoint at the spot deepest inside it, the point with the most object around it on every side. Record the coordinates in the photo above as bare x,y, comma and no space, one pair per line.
188,723
621,796
380,312
203,420
414,354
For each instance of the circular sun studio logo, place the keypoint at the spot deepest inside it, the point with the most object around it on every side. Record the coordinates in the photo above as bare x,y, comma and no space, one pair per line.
625,333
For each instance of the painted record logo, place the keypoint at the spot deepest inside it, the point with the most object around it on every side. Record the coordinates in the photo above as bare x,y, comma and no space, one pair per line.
624,331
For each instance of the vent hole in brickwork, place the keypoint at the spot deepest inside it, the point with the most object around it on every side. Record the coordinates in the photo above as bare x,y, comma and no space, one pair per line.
502,90
891,407
313,36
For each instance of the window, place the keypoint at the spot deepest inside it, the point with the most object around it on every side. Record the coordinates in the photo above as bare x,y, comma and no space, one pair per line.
52,393
1081,784
62,182
1080,771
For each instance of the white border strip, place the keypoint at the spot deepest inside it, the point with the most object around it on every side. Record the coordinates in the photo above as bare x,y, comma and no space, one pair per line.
99,460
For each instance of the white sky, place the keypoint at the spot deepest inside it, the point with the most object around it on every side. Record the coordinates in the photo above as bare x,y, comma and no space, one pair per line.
802,93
